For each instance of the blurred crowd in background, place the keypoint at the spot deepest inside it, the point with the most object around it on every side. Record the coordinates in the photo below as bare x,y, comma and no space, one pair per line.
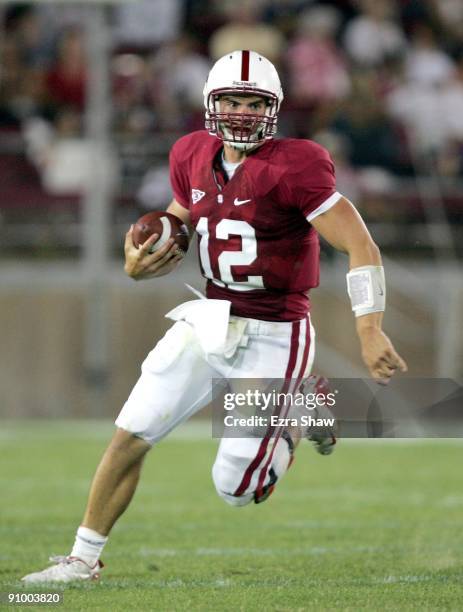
378,82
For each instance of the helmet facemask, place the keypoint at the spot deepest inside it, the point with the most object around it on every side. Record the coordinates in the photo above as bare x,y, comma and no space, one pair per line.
243,131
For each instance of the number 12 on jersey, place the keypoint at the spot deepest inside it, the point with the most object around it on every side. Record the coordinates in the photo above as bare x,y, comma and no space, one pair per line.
245,257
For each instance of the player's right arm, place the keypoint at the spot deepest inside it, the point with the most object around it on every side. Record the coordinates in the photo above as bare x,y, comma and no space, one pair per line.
181,212
141,264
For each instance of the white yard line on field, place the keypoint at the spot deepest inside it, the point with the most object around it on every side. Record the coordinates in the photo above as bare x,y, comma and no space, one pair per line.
195,429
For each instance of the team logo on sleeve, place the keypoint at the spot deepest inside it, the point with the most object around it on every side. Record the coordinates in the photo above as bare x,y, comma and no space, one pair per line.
197,195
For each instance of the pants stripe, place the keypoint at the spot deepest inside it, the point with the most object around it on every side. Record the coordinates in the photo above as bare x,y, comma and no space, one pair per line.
246,480
305,357
300,374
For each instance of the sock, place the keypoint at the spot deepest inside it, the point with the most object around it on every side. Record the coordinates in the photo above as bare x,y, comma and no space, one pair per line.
282,457
88,545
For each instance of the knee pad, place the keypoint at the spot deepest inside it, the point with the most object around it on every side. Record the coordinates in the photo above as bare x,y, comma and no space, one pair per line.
236,500
224,482
233,460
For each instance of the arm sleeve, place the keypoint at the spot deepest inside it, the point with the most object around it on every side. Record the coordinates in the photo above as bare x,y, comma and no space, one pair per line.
311,185
179,180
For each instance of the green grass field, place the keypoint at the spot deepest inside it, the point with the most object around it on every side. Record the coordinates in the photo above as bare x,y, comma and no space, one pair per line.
376,526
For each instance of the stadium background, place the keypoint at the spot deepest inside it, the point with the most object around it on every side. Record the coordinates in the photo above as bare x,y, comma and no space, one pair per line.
91,98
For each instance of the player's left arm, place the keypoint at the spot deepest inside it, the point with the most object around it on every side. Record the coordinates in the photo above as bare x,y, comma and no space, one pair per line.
343,228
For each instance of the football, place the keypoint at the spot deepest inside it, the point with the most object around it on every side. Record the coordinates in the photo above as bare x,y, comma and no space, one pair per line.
166,225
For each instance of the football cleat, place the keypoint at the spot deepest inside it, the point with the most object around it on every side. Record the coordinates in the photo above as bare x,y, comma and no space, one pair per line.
323,444
323,436
65,569
264,493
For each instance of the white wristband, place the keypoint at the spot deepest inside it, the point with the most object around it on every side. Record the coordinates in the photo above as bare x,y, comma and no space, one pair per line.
366,287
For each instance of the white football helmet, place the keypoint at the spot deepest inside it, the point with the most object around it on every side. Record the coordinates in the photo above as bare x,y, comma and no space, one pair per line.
242,73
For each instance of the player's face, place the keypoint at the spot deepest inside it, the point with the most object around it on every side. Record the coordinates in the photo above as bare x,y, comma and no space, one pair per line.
251,105
240,115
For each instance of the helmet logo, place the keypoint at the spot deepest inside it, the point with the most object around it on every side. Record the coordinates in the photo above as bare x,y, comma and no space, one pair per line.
244,83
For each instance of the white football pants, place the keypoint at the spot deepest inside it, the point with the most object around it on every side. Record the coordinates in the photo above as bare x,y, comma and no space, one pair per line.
178,379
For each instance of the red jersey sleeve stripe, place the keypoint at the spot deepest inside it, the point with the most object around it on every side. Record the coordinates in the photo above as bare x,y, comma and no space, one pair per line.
324,206
245,65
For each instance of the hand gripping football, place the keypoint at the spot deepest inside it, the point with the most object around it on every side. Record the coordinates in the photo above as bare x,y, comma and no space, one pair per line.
166,225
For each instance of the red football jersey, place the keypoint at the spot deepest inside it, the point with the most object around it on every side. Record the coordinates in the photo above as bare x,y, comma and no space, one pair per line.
256,245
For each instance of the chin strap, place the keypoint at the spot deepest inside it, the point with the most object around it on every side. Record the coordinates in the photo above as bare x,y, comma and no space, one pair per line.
244,146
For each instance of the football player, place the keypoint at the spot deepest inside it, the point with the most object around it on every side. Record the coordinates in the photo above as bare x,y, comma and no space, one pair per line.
257,205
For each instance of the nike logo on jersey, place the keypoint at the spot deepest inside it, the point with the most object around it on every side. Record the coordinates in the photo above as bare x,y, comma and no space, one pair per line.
197,195
237,202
